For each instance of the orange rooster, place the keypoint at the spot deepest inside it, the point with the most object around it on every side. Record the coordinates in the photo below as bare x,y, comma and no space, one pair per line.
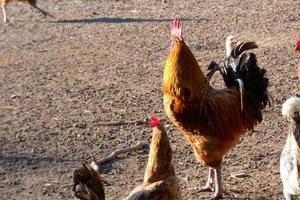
211,120
160,181
4,3
297,50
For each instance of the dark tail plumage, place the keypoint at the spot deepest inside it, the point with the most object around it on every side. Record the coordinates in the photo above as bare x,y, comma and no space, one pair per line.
242,47
255,81
87,182
241,71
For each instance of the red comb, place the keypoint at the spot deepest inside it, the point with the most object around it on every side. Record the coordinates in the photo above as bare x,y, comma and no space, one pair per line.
154,121
298,43
176,28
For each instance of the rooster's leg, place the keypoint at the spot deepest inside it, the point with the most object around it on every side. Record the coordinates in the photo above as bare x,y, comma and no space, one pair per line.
4,13
287,196
208,186
218,184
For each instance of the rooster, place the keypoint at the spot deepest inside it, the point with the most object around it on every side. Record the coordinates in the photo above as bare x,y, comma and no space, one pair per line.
211,120
32,3
87,182
290,156
297,50
160,181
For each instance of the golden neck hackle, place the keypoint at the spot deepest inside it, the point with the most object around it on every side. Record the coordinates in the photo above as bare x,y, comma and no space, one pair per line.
182,73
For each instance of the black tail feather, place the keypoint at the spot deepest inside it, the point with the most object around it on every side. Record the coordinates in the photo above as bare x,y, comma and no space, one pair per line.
242,47
255,81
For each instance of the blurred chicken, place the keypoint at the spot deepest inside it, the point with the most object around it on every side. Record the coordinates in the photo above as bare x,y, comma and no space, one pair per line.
290,156
160,181
32,3
211,120
297,50
87,182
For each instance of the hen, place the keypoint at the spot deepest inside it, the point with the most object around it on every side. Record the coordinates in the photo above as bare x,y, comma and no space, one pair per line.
290,156
160,181
211,120
32,3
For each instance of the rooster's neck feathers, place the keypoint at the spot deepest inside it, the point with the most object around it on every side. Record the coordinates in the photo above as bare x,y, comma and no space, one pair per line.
182,74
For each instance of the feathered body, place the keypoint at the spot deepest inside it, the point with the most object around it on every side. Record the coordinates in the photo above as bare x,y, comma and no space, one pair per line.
211,119
160,181
290,156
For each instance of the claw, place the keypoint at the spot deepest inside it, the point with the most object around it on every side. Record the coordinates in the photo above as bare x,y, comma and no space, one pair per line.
216,196
206,189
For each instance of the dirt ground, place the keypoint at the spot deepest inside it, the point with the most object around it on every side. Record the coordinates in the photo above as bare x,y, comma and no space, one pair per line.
63,78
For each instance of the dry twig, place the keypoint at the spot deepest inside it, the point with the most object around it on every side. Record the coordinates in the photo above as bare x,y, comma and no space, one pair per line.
120,151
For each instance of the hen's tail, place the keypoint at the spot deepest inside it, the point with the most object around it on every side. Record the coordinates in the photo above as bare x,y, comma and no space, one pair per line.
291,108
87,182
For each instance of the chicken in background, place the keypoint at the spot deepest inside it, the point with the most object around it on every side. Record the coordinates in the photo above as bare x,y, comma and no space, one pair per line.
32,3
297,50
290,156
87,182
160,181
211,120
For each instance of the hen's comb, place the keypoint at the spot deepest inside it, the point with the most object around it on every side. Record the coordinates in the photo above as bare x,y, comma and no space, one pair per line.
298,43
154,121
176,29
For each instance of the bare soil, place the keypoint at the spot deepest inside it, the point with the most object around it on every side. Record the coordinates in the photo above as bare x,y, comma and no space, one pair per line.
100,62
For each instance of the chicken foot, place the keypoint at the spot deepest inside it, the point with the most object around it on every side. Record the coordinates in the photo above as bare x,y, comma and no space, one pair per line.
214,174
4,13
218,183
209,184
42,12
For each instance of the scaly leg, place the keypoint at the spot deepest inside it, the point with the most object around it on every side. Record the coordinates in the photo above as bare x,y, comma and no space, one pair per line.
4,13
42,12
208,186
287,196
218,184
